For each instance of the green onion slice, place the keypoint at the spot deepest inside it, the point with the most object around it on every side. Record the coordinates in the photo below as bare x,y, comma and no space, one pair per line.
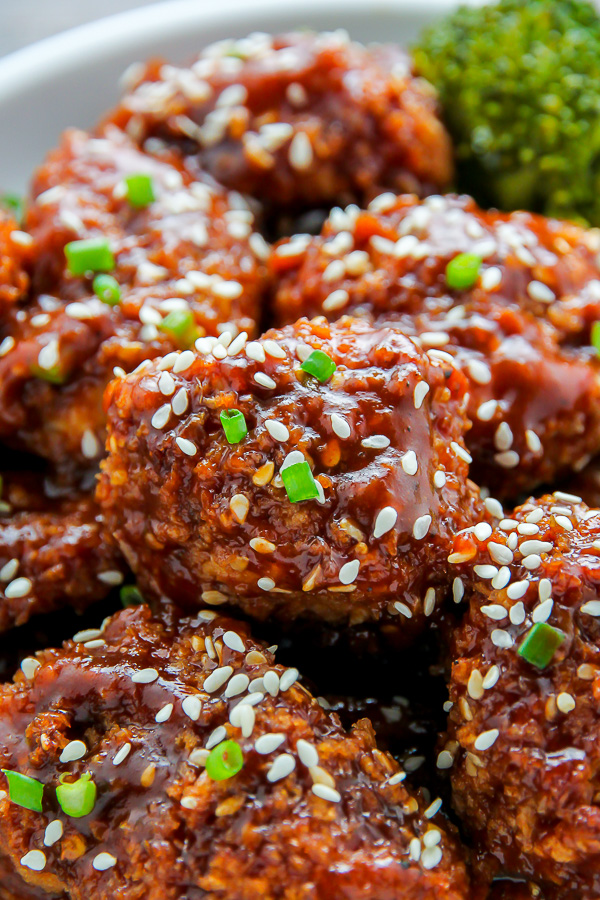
463,271
53,375
595,336
319,365
89,255
540,644
299,482
14,204
24,791
77,798
181,325
131,595
234,425
140,190
224,761
107,289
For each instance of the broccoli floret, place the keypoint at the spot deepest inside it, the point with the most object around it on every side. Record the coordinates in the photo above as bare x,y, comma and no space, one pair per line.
519,83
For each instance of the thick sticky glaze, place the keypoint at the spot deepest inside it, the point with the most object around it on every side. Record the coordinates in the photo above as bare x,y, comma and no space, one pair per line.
170,830
299,120
525,740
521,334
188,515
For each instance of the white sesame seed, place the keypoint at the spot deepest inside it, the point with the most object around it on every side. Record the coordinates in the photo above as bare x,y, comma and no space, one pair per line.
89,444
349,571
111,576
283,766
487,410
501,639
385,521
144,676
482,531
376,442
544,589
104,861
503,437
277,430
237,685
300,152
307,753
445,760
500,553
531,562
533,441
479,371
325,792
216,736
217,679
289,677
564,523
268,743
272,348
122,755
403,609
507,460
20,587
439,479
527,528
419,394
271,683
179,403
409,462
486,739
255,351
543,611
164,714
35,859
433,809
565,702
340,426
266,584
432,837
232,640
53,833
461,452
264,380
186,446
517,613
421,526
7,345
485,571
517,589
192,707
429,601
73,751
336,300
527,547
491,278
494,611
567,498
431,857
414,849
458,589
491,677
48,356
537,290
166,384
184,361
591,608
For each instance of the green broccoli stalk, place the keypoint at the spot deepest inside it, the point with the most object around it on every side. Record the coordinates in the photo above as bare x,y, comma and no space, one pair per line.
519,83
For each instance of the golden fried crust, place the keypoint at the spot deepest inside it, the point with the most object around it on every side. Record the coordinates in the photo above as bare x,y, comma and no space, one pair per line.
188,250
196,515
525,739
300,120
14,254
521,334
173,832
54,552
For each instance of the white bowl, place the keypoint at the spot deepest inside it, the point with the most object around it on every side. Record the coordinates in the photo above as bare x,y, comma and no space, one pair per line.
72,79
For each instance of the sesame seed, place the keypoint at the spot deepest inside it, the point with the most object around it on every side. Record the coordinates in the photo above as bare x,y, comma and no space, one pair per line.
239,506
179,403
500,553
458,589
48,356
564,523
409,462
35,859
491,278
485,571
307,753
73,751
283,766
445,760
164,714
289,678
20,587
439,479
192,707
500,580
565,702
528,528
255,351
376,442
494,611
433,809
260,545
144,676
461,452
431,857
533,441
403,609
336,300
264,380
517,589
517,613
111,576
414,849
277,430
183,361
501,639
271,683
385,521
429,601
186,446
272,348
326,793
527,547
268,743
89,444
214,598
237,685
482,531
216,736
122,754
531,562
487,410
53,833
166,384
503,438
479,371
349,571
591,608
104,861
543,611
537,290
7,345
486,739
266,584
490,678
217,679
29,667
507,460
232,640
567,498
420,392
421,526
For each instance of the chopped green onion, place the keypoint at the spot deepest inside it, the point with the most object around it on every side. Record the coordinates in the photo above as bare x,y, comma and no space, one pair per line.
180,323
13,204
540,644
131,595
320,365
140,190
234,425
77,798
107,289
54,375
24,791
299,482
595,337
225,761
463,271
89,255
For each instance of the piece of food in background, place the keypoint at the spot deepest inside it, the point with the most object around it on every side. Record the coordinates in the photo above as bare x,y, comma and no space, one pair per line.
193,763
586,484
132,256
298,121
15,252
524,729
319,471
511,300
54,550
519,87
